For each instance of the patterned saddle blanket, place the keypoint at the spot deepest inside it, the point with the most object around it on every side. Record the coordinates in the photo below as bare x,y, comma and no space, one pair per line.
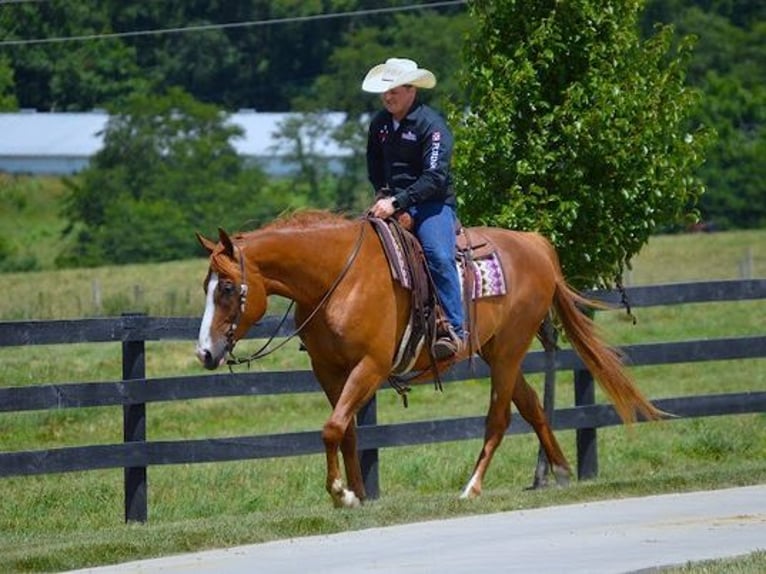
479,268
487,272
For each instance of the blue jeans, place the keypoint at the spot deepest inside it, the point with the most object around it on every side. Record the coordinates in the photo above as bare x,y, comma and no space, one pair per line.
435,225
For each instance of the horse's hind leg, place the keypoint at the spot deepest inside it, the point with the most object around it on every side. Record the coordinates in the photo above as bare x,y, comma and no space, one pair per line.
526,400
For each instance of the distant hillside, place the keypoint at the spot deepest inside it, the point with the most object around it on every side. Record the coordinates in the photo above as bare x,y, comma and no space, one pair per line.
31,225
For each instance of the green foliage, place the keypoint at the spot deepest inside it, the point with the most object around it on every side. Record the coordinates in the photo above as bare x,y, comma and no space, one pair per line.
433,40
317,64
578,129
11,261
167,168
735,172
7,98
729,69
337,183
71,75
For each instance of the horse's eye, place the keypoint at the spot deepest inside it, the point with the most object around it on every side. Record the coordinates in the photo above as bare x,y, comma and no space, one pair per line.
227,288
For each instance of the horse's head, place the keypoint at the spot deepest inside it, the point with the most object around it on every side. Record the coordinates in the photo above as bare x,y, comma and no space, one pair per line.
235,298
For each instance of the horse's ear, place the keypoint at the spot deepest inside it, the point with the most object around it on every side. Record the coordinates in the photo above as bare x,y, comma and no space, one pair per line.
228,246
207,245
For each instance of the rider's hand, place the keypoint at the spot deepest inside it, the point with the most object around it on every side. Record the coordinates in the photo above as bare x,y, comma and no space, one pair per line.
383,208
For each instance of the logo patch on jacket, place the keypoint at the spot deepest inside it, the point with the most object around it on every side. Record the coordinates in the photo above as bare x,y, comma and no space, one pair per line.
433,160
383,134
410,136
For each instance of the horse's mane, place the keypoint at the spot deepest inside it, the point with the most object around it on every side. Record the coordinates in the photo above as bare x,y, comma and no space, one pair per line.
296,220
306,218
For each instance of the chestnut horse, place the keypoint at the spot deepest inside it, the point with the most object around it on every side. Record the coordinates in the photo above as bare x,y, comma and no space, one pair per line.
352,315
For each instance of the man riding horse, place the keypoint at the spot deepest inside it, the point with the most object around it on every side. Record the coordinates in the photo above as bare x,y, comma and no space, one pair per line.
409,148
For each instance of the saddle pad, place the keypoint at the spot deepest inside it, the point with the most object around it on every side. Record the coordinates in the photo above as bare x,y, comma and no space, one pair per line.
394,253
489,279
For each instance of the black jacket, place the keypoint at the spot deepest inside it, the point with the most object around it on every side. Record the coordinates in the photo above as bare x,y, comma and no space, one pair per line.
413,162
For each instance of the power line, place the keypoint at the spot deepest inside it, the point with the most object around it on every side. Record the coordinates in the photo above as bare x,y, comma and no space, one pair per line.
251,23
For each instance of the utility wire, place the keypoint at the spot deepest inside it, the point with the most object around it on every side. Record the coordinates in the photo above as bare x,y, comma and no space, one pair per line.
252,23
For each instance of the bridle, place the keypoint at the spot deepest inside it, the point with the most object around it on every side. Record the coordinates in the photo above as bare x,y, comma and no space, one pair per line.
264,350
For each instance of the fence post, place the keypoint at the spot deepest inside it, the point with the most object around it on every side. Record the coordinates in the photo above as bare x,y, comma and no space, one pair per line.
368,459
587,445
134,429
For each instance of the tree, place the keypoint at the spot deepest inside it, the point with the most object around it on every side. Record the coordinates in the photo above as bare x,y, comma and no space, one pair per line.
68,76
729,68
338,183
576,128
433,40
735,174
7,98
167,169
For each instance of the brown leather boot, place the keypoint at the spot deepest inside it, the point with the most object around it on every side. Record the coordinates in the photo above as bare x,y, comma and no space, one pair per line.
447,344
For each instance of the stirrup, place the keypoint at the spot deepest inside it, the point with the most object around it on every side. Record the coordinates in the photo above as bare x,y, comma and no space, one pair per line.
446,345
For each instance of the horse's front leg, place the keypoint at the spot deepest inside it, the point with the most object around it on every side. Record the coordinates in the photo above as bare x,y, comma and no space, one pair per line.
342,497
348,447
339,432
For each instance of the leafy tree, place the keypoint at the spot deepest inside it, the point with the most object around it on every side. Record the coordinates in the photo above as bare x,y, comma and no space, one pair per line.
576,128
167,168
7,98
76,75
433,40
729,68
735,173
338,183
258,66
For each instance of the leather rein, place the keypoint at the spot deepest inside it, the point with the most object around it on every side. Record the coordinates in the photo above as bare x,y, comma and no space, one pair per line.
264,350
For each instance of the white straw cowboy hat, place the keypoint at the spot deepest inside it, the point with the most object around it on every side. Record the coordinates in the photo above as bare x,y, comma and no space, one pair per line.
397,72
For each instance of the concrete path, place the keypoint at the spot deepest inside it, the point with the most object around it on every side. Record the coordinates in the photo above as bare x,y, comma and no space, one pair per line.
614,536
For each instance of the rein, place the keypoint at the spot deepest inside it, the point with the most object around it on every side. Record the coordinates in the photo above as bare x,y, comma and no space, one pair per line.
264,351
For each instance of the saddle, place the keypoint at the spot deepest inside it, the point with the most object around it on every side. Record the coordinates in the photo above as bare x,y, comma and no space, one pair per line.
479,269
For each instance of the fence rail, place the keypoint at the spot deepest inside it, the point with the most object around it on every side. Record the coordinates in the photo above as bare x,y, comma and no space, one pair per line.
135,454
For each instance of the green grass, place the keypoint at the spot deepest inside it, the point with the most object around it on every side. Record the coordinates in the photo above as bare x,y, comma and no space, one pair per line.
75,520
754,563
30,220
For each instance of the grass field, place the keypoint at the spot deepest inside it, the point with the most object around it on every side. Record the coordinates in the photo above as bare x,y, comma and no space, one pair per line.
73,520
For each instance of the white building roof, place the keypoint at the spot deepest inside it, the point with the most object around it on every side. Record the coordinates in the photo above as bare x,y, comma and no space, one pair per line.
63,142
261,128
29,134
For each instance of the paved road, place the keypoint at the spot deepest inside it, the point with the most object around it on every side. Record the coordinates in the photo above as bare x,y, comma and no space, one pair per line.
613,536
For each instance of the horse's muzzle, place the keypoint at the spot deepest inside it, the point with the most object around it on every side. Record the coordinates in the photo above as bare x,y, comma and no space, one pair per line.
208,360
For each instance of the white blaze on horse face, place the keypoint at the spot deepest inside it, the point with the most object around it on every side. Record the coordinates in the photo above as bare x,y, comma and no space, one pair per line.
205,342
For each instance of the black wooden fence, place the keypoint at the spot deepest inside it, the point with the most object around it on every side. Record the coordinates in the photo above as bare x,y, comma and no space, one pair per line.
135,390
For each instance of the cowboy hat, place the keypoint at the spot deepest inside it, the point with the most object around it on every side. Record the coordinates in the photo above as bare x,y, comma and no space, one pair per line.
397,72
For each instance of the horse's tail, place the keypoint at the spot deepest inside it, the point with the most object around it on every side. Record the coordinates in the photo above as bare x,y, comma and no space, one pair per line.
603,361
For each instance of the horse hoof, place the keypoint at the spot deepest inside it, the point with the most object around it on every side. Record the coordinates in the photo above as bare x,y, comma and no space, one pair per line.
350,500
469,493
562,476
343,497
472,489
539,483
